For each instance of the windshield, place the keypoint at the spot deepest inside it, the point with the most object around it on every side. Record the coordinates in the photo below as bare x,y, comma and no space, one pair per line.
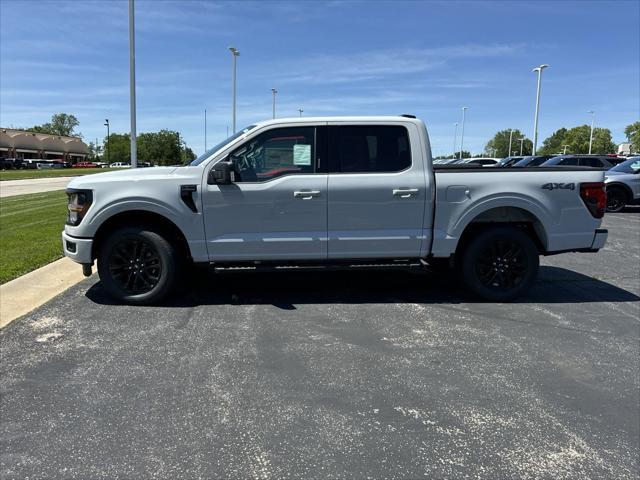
631,165
221,145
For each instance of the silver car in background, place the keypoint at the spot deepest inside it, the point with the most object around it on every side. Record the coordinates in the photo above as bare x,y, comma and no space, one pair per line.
623,184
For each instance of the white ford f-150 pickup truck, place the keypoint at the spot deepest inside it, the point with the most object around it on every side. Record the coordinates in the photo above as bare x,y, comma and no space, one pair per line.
330,191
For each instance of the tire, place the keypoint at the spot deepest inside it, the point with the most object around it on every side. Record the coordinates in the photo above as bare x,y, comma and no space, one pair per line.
138,265
617,199
499,264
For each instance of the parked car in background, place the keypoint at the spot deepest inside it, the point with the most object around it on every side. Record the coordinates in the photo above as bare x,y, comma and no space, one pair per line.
623,184
30,163
10,163
482,161
102,164
533,160
119,165
84,165
594,161
508,161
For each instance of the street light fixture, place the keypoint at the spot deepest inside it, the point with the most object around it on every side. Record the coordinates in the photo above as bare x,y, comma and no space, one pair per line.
273,93
455,138
300,110
106,124
565,149
234,51
535,121
464,109
521,145
593,117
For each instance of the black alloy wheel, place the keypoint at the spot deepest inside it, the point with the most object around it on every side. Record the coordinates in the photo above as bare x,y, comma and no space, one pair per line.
138,265
500,263
135,265
616,199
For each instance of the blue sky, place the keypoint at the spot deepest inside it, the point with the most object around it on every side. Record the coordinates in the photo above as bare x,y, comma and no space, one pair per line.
330,58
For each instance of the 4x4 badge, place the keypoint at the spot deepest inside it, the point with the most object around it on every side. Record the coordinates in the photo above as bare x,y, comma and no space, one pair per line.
561,186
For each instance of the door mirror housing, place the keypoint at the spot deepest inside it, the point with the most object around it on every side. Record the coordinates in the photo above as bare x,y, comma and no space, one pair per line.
221,173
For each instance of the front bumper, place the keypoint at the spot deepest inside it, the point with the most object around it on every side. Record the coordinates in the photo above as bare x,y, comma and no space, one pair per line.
77,249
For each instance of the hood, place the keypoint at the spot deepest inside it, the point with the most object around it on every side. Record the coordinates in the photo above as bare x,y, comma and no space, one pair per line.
132,175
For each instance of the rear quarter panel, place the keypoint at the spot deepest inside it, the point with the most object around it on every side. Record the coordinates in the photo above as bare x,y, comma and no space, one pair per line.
463,195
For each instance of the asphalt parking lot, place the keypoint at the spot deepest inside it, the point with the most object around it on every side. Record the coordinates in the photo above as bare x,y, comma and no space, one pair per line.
334,375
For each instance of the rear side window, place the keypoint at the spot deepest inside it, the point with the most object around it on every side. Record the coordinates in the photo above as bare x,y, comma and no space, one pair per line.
569,161
590,162
369,149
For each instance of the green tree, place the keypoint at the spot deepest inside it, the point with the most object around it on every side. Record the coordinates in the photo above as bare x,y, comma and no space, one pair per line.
63,124
577,140
117,148
633,135
554,143
160,148
187,154
498,146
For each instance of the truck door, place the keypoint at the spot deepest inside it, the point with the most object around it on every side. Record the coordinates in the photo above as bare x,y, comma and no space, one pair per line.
377,191
276,207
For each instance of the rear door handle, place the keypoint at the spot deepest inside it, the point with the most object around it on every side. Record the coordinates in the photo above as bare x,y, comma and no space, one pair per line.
306,194
405,192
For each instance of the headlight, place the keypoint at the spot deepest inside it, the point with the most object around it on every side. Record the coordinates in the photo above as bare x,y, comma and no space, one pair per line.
78,204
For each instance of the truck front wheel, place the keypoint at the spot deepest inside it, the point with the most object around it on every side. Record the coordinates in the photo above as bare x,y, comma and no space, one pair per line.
499,264
137,265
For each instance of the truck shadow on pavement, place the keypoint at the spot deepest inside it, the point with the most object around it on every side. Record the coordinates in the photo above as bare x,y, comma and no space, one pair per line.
286,289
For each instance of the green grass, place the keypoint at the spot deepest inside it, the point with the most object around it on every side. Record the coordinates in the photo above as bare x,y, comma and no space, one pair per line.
58,172
30,228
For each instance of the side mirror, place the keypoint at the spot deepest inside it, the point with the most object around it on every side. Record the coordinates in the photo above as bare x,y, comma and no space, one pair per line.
221,173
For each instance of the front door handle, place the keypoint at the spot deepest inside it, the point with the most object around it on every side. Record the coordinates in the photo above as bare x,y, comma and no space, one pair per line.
306,194
405,192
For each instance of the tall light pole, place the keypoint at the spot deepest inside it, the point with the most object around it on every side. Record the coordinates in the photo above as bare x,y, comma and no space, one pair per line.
300,111
464,109
510,140
521,144
234,51
455,138
205,129
106,124
132,84
535,121
565,149
273,94
593,117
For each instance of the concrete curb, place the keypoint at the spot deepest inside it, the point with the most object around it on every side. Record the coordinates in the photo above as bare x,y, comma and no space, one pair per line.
25,293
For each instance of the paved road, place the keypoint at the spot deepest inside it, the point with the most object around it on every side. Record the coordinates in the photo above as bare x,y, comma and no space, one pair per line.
334,375
10,188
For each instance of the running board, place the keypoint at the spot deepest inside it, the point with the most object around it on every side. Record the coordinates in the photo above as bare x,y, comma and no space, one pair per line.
320,265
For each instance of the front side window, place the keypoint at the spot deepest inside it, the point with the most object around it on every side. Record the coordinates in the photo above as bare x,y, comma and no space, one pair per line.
278,152
369,149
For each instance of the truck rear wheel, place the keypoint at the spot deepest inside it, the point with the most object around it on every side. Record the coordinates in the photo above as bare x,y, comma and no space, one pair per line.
138,265
499,264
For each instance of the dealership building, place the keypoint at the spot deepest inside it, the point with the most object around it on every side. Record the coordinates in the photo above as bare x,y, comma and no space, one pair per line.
25,145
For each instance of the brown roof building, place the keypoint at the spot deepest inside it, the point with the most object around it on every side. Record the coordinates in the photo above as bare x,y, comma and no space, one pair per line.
30,145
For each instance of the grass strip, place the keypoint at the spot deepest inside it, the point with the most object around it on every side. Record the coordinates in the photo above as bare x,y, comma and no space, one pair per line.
51,173
30,228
